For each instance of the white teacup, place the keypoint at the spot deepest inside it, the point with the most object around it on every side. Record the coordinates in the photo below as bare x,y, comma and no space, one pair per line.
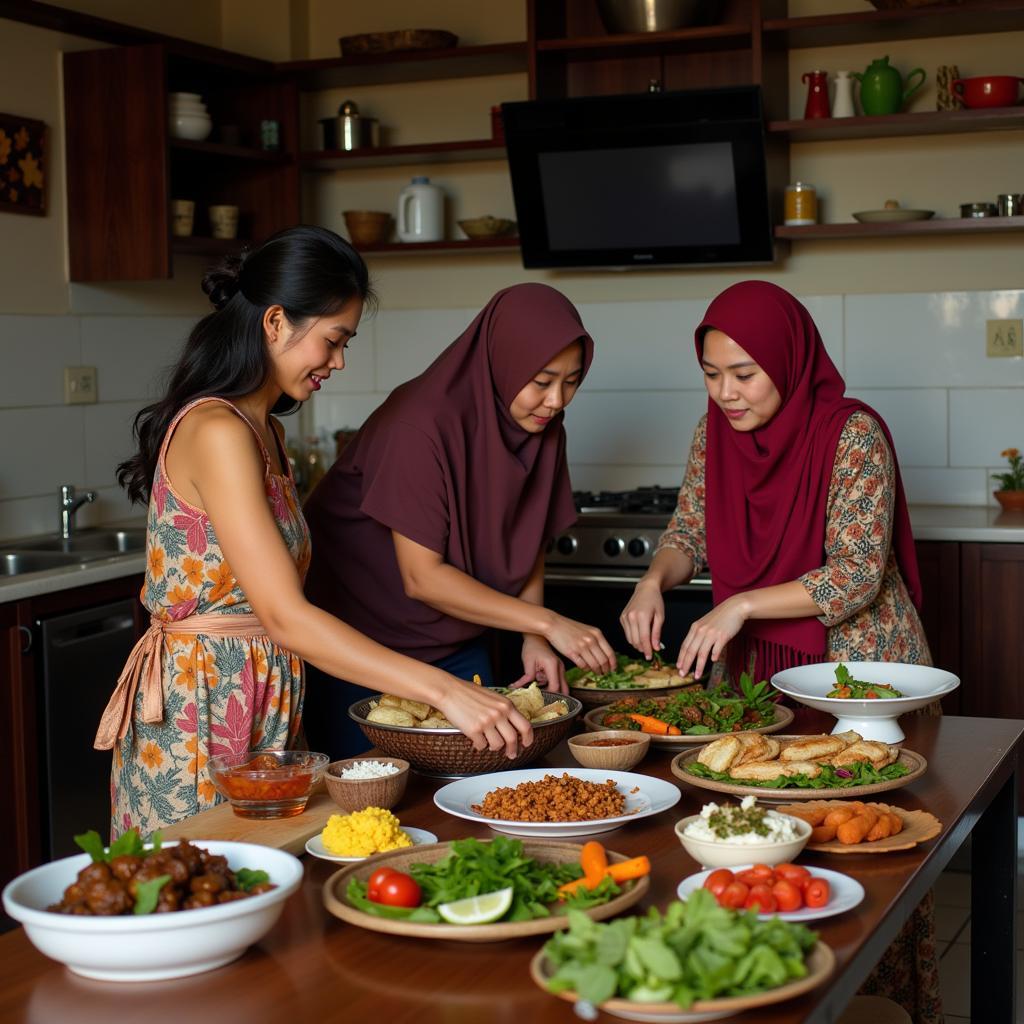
224,221
182,217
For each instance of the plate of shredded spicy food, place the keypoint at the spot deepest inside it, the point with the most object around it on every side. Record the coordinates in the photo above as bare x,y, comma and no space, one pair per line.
544,802
695,717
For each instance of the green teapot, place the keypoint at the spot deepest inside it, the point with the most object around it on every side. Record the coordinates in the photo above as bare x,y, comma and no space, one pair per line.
882,90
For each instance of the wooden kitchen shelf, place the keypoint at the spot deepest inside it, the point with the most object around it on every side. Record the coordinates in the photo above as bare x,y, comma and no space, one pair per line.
931,122
408,66
847,29
390,156
906,229
220,150
454,247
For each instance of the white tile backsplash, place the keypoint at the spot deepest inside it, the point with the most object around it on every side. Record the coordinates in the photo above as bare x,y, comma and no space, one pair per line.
132,353
33,353
917,358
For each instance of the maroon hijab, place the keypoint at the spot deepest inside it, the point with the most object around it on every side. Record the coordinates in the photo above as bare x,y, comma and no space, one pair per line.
767,489
443,463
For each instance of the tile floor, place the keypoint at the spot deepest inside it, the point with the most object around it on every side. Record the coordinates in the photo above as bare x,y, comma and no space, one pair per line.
953,929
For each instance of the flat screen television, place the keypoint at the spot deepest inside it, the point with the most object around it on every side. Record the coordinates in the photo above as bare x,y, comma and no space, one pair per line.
671,178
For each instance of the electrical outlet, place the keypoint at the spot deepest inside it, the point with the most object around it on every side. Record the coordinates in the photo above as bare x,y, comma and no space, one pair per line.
1004,338
79,385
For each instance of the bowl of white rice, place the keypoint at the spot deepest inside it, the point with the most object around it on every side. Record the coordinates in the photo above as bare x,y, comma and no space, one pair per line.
356,783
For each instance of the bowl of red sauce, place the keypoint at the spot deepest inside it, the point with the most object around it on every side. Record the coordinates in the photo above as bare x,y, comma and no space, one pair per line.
267,783
614,749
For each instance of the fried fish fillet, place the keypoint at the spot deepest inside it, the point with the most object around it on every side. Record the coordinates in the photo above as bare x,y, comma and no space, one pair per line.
850,736
765,771
878,755
753,747
719,754
813,748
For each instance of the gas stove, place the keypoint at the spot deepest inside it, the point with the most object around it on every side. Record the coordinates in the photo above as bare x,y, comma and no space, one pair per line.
616,532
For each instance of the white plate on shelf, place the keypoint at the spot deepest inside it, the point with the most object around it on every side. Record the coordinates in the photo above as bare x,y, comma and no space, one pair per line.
846,893
644,796
891,216
315,845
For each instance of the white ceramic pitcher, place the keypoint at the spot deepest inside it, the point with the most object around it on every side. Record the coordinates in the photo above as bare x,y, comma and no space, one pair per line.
421,212
842,101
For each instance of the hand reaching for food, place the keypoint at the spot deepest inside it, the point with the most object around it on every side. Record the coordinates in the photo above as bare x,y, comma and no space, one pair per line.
585,646
542,664
643,618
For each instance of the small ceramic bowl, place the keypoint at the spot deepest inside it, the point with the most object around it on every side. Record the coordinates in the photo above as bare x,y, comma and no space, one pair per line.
367,227
358,794
620,757
486,227
729,855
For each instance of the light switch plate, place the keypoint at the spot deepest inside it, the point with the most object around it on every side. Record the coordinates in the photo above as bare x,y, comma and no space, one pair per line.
1004,338
79,385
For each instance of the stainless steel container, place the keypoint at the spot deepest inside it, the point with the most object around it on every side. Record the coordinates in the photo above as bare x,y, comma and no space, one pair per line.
1011,204
629,16
977,209
349,130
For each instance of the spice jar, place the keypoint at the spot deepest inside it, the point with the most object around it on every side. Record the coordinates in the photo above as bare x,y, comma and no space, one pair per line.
801,205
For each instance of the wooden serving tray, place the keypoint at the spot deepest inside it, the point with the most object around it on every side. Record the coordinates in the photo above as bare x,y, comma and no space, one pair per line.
918,827
542,850
288,834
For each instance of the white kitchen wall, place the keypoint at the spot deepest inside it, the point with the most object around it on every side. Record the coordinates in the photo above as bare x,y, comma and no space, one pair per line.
919,359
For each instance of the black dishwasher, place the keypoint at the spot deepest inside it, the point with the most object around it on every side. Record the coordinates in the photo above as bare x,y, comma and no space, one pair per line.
83,654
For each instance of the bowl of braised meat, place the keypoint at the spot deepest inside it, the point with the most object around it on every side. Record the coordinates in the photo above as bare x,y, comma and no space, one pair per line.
135,912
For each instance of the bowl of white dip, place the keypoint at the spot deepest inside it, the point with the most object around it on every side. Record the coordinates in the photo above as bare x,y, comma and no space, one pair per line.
725,835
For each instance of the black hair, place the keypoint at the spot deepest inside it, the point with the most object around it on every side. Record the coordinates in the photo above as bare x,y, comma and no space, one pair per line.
308,271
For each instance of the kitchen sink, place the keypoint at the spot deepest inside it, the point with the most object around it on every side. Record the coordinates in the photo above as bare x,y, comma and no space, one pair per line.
92,543
15,563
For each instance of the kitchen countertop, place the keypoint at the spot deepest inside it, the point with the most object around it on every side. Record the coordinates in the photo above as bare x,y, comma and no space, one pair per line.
964,523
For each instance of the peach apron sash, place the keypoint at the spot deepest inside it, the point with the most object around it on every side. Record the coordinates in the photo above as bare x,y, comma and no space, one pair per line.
144,666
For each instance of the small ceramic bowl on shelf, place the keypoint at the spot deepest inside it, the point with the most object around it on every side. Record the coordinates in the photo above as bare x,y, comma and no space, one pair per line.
354,794
194,127
367,227
267,783
614,749
486,227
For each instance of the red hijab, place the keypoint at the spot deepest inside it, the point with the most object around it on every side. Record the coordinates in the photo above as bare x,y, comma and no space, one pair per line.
443,463
767,489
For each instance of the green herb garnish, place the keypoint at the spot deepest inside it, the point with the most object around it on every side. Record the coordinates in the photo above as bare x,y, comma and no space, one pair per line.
148,893
860,774
247,878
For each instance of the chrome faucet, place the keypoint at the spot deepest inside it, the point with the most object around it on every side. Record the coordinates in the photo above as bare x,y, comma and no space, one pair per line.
69,505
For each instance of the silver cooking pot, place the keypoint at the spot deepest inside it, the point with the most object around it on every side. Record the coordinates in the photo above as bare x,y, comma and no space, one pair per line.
349,129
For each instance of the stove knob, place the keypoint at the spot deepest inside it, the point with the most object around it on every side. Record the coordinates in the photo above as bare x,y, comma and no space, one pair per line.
566,545
614,546
638,546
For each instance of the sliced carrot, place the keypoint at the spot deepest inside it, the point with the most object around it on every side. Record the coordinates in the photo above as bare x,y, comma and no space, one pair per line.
571,887
839,816
635,867
655,726
823,834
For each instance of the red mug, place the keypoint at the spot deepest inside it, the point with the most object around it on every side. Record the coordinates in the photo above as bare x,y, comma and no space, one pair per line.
817,94
988,90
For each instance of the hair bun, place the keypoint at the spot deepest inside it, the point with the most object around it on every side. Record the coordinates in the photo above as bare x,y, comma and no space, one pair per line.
223,282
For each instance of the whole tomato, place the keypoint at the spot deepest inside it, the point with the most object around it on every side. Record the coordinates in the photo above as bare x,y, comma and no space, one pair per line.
759,874
794,873
734,895
718,880
817,893
374,884
787,895
760,898
399,890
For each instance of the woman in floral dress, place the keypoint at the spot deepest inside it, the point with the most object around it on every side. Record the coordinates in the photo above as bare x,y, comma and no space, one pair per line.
792,496
220,668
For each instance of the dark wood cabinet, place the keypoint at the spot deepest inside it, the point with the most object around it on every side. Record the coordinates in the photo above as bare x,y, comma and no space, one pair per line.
938,563
20,744
123,168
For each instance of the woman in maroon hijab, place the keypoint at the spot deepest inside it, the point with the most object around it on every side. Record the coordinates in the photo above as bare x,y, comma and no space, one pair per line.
793,499
432,525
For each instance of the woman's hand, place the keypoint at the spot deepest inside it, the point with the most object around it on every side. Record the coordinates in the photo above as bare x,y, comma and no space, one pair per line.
585,646
541,663
708,636
488,719
643,618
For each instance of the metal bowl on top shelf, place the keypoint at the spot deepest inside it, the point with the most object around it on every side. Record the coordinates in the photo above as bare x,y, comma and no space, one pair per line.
634,16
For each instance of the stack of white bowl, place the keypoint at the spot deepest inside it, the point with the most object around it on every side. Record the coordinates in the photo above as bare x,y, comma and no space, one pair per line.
189,118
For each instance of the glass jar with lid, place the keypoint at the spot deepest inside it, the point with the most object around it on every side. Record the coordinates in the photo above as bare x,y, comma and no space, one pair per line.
801,204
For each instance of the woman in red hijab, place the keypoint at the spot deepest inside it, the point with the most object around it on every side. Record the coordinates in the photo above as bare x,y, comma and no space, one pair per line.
432,525
793,499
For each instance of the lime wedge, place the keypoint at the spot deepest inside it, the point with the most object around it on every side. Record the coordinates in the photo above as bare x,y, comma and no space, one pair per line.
477,909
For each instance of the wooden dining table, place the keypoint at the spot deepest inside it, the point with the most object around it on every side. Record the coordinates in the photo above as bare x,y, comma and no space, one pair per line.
313,968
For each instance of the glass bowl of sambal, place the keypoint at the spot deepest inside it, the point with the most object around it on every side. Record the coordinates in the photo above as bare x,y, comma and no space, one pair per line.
267,783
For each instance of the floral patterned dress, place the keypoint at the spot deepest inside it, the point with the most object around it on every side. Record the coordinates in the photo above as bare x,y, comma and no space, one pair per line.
220,694
869,616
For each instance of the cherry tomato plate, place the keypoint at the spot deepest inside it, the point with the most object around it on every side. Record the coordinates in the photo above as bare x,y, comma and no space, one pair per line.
845,893
315,845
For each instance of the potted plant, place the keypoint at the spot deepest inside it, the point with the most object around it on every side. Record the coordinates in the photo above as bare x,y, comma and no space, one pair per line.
1011,490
